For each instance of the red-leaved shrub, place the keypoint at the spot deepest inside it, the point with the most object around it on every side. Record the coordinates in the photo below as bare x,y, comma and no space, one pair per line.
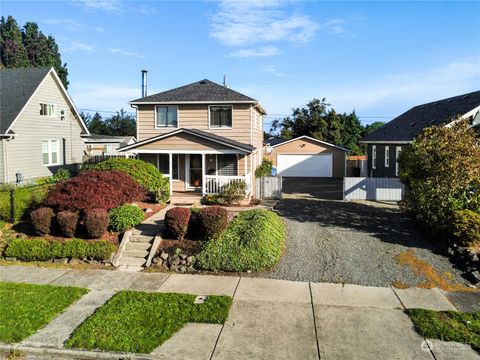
67,222
42,220
96,222
212,221
94,189
176,222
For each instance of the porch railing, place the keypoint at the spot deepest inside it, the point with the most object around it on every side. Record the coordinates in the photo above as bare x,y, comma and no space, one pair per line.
214,184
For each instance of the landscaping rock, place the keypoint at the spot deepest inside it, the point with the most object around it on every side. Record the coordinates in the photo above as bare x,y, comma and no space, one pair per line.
148,211
183,262
183,256
174,261
75,262
190,259
61,261
164,255
11,258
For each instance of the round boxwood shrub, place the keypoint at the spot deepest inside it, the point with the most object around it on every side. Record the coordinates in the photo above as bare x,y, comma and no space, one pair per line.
67,222
96,222
125,217
42,220
176,222
212,221
254,240
466,227
144,173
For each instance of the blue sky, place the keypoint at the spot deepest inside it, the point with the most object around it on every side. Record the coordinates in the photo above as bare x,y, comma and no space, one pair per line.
379,58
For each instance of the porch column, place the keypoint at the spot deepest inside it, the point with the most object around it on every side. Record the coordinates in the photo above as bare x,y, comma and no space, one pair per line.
203,175
246,165
170,171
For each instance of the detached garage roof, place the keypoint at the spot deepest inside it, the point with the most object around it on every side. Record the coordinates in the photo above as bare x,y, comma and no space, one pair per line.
277,142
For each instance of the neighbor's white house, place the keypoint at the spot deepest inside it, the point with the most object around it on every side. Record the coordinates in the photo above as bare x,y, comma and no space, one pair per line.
40,128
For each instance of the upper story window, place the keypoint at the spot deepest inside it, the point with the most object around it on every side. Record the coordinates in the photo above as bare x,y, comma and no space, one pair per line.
220,117
166,116
387,156
374,157
50,150
62,114
47,109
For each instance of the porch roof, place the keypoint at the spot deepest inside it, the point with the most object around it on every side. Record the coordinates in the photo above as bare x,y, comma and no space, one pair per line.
245,148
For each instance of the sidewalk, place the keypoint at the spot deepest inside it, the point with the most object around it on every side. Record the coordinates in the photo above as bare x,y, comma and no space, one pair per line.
269,319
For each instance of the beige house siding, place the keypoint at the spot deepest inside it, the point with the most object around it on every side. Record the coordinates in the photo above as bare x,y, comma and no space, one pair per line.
305,146
24,152
197,117
183,141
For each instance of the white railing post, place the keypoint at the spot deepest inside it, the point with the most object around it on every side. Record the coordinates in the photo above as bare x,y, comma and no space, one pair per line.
204,185
170,170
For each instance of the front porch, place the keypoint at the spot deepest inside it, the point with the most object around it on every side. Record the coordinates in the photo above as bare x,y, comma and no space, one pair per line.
196,175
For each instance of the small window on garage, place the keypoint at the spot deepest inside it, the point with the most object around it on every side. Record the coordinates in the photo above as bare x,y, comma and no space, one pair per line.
387,156
374,157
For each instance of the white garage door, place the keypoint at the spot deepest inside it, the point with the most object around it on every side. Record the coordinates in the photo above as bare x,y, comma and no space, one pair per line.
305,165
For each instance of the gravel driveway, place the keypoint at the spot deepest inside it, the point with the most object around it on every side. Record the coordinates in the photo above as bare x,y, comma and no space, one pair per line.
336,241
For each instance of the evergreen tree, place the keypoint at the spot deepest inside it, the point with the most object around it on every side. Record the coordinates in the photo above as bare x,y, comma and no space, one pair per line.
121,124
29,47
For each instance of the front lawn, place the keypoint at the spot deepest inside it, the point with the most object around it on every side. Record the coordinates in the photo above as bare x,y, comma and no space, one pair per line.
448,326
25,308
139,322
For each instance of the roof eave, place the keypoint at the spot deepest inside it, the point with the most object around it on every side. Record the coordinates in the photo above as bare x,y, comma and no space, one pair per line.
193,102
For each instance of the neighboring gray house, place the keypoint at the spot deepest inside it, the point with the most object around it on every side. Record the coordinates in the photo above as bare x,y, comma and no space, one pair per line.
40,128
385,144
107,145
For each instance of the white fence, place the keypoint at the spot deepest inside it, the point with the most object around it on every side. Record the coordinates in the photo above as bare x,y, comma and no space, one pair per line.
269,188
381,189
214,184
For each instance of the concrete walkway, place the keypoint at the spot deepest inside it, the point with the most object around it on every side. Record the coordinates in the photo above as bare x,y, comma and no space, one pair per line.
269,319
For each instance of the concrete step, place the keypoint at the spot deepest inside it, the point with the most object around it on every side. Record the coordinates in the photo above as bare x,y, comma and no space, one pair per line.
135,253
132,261
140,246
141,238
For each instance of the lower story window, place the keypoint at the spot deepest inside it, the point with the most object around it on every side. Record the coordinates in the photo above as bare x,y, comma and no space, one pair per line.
50,151
164,166
227,165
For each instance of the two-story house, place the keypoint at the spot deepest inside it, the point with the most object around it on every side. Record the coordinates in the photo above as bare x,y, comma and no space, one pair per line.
202,136
385,144
40,127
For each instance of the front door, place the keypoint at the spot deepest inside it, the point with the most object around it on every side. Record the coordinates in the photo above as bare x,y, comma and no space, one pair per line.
194,171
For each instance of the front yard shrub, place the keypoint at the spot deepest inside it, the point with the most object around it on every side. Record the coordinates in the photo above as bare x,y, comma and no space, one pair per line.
125,217
212,221
144,173
96,222
26,198
176,222
213,199
254,240
94,189
265,169
234,192
466,228
42,220
46,250
441,178
67,222
62,174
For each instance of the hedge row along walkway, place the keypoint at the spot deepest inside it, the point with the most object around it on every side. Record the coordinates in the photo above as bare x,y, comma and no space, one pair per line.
269,319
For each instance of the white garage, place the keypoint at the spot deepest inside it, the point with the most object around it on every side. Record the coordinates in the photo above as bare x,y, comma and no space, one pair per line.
304,165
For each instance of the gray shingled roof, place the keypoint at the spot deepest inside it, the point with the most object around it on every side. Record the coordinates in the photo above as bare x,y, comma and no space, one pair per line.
207,135
411,123
16,87
203,90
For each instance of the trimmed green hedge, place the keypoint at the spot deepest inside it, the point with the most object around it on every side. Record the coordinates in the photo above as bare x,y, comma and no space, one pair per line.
44,250
144,173
125,216
254,240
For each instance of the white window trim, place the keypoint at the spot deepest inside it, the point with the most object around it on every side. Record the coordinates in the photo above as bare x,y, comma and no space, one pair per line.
50,163
374,156
219,127
54,109
178,165
64,114
398,150
387,156
166,127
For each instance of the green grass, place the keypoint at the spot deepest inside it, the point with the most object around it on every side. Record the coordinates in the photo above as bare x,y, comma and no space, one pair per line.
448,326
25,308
139,322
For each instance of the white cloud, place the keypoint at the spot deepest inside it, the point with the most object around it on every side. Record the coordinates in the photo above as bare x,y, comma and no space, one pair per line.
117,51
77,46
264,51
250,22
73,25
335,26
116,7
272,69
